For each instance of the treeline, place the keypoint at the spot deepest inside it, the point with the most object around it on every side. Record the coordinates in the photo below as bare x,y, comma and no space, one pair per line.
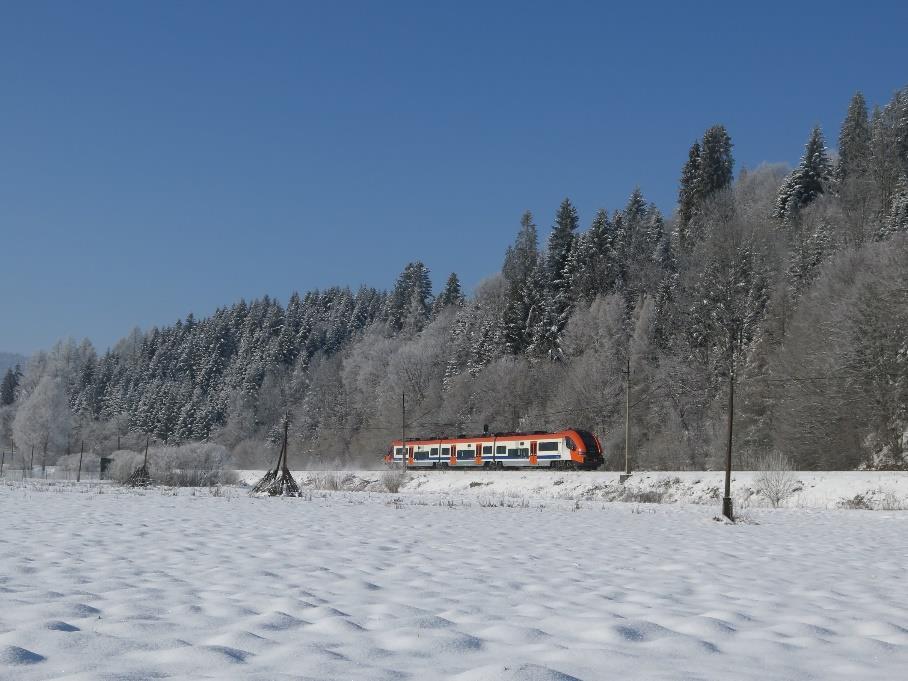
786,287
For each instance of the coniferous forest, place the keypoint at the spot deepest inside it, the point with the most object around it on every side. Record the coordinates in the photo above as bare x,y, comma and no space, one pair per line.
787,286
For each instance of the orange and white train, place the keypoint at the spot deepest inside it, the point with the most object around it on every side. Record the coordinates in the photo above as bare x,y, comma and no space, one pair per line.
569,449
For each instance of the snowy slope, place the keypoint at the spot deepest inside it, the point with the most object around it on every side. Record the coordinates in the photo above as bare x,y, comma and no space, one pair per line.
98,583
826,489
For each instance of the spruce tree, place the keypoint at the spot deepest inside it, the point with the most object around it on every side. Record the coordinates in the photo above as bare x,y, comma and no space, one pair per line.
561,238
410,303
807,182
450,295
854,140
8,388
520,259
687,194
716,162
559,298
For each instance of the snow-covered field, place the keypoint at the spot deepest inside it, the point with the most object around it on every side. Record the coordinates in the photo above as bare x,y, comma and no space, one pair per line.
97,582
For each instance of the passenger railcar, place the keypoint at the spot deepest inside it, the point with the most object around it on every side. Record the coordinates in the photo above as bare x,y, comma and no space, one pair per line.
570,449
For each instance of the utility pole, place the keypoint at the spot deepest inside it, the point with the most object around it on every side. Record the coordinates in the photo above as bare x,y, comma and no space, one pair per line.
727,510
145,462
403,430
2,461
31,463
627,421
81,452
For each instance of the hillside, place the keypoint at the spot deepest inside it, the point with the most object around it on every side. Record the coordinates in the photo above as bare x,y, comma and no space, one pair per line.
778,291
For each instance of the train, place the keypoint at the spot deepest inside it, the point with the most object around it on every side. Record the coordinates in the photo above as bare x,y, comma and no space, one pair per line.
570,449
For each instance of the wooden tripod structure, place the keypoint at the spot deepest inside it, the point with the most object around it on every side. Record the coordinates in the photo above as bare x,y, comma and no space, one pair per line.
278,482
140,476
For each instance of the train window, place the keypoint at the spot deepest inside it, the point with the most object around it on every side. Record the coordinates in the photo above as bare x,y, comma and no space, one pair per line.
421,456
548,446
464,453
524,452
397,451
501,450
446,451
487,449
434,451
513,452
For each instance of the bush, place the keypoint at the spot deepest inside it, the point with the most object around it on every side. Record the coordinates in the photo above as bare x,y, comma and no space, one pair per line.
124,464
776,480
643,496
330,481
197,464
394,479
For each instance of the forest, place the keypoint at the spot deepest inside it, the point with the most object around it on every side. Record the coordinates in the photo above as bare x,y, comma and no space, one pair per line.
787,286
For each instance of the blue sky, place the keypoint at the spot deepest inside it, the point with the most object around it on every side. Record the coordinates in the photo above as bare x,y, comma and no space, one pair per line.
163,158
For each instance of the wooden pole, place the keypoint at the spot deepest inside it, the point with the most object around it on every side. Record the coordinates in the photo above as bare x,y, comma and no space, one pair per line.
284,446
31,463
81,452
727,510
145,462
627,417
403,430
2,461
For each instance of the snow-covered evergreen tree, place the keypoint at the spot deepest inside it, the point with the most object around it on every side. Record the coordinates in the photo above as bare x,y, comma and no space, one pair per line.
716,162
854,141
688,196
807,182
897,219
451,295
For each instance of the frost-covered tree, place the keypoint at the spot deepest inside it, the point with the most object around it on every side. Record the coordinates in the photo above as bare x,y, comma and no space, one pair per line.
897,219
807,182
43,419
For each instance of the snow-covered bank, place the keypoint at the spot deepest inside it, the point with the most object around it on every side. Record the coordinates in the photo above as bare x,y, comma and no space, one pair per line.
826,489
98,582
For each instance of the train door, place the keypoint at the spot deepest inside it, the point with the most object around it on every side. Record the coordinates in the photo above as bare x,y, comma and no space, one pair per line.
533,458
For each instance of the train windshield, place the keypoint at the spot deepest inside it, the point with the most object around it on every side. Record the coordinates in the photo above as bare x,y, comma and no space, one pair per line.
589,442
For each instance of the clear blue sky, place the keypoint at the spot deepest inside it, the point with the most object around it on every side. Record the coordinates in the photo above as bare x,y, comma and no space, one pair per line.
163,158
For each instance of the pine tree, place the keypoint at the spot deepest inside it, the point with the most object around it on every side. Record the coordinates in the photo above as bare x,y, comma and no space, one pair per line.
561,238
559,298
450,295
520,259
854,141
597,274
716,162
410,304
688,198
8,387
523,312
897,220
807,182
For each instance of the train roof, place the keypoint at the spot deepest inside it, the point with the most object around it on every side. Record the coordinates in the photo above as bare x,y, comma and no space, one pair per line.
481,436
